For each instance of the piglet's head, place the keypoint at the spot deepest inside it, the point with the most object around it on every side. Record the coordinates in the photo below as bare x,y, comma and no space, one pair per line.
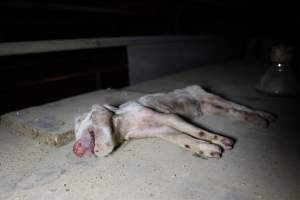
93,133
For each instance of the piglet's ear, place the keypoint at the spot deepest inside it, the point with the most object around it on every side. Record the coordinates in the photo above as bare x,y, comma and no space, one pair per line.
99,114
105,140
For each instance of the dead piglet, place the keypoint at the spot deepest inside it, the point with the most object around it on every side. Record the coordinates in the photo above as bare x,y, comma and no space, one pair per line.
158,115
104,127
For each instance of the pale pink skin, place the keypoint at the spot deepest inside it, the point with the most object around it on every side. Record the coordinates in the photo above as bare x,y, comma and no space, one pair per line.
83,145
158,115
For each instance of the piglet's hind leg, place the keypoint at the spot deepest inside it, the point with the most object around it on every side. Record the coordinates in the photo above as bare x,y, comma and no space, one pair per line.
226,104
215,105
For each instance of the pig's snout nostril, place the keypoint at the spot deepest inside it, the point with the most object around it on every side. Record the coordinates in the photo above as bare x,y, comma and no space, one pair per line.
96,149
78,149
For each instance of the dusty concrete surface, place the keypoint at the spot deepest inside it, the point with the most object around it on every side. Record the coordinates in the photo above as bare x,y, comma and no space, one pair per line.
264,163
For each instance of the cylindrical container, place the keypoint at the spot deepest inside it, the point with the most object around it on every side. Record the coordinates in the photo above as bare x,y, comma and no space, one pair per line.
280,78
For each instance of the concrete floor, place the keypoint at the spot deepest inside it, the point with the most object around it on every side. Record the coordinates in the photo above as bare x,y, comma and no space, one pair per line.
264,163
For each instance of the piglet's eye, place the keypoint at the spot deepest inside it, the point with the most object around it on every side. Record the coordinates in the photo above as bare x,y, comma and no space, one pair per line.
91,131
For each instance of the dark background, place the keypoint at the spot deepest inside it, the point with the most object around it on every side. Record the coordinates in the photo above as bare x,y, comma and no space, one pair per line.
28,80
54,19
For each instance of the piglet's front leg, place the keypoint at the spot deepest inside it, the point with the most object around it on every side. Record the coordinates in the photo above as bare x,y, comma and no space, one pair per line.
198,147
181,125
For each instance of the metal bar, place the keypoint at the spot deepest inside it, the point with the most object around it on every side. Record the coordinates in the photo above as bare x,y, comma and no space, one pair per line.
28,47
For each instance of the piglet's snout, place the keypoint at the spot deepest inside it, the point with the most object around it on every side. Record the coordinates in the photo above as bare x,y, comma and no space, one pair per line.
78,149
83,146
